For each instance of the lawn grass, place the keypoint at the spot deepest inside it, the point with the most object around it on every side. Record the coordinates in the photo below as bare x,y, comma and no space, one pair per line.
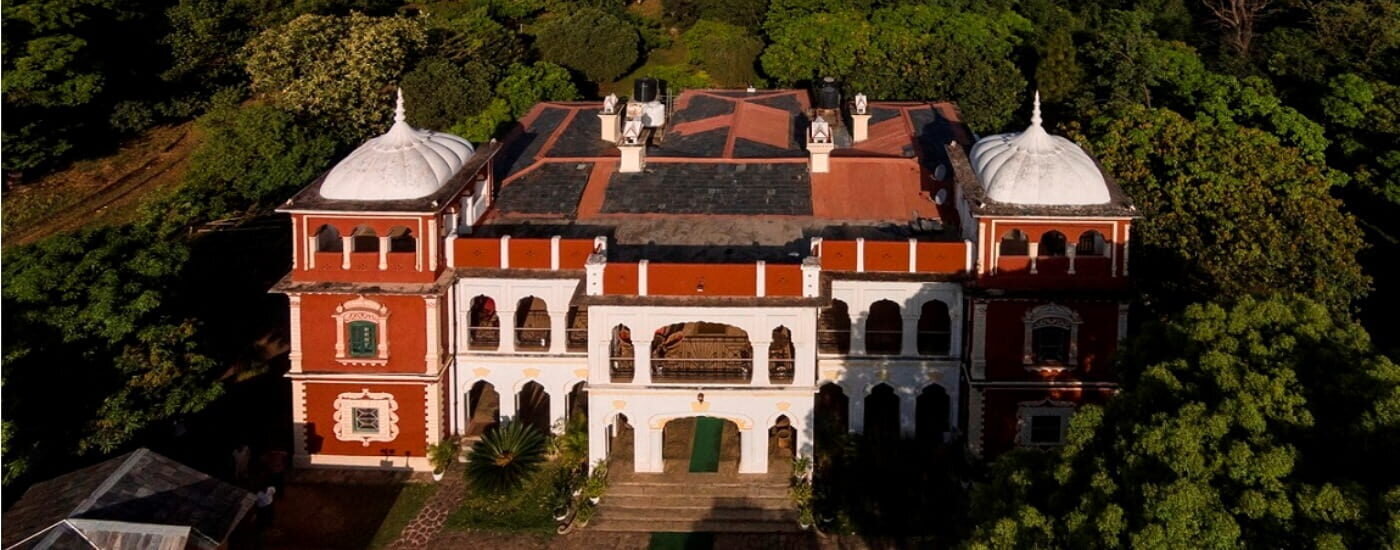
410,500
527,510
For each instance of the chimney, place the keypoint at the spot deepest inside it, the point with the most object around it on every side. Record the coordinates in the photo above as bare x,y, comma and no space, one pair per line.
860,119
633,146
608,118
819,145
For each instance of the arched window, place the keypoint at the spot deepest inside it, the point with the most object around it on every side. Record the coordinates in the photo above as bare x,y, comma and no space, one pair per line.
328,239
884,329
1091,243
834,328
401,240
935,329
1015,243
576,329
483,326
1051,335
531,324
1052,243
781,356
364,240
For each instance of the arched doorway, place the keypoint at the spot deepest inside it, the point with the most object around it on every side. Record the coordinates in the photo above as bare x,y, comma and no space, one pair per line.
831,412
621,360
619,440
483,409
882,415
884,329
782,444
931,415
532,407
577,401
700,444
935,329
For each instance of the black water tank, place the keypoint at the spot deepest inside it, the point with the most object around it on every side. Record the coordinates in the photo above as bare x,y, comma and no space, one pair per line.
645,89
828,96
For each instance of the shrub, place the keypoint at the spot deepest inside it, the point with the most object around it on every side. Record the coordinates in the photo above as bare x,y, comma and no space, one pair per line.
443,453
503,458
438,93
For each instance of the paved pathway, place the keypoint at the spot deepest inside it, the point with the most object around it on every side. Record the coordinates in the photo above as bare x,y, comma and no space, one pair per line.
450,492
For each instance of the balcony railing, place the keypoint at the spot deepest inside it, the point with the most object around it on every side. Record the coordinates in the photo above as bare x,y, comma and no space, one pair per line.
484,338
780,371
935,342
621,369
737,370
833,341
576,339
532,339
883,342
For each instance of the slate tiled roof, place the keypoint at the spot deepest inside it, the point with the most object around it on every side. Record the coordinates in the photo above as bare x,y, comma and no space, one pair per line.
140,487
685,188
551,188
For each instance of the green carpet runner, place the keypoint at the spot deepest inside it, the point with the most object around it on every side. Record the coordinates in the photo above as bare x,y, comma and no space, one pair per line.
682,541
704,454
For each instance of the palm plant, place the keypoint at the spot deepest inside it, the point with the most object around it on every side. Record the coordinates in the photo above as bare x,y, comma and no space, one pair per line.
504,457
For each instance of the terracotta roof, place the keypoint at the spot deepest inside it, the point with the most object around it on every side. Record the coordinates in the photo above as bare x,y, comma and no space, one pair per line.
725,159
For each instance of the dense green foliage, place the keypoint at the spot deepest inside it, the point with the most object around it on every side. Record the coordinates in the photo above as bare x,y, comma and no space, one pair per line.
1271,422
726,52
599,44
1263,157
505,457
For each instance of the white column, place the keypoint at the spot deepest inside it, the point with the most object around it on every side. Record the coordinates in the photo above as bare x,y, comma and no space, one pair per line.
294,338
907,407
508,397
955,326
753,450
760,363
505,251
506,320
347,244
554,253
761,278
857,413
804,371
558,321
858,330
597,433
557,409
642,277
860,254
433,323
641,360
1034,250
383,252
913,255
1070,249
909,336
979,340
646,449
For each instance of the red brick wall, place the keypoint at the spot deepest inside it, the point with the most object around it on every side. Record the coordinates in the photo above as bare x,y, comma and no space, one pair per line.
1006,340
717,279
320,422
783,279
406,337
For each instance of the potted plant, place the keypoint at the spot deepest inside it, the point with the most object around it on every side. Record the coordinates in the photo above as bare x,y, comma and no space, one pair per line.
801,491
596,483
441,455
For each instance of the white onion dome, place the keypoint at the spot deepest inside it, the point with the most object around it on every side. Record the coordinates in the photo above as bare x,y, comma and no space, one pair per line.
403,163
1034,167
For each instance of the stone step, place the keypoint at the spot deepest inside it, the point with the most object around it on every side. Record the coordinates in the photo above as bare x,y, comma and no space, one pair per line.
699,490
688,526
767,502
693,513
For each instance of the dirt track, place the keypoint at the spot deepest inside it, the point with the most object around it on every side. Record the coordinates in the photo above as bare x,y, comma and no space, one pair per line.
148,164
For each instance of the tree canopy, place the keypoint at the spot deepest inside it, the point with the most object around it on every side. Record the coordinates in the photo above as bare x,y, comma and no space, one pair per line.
1267,422
592,41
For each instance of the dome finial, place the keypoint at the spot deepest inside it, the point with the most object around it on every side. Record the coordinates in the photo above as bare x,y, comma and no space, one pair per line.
398,108
1035,110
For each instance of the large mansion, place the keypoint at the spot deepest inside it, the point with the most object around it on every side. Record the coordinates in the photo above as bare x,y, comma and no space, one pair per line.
782,260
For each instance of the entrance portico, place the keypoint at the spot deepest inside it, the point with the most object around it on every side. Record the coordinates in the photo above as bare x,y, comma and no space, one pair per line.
751,412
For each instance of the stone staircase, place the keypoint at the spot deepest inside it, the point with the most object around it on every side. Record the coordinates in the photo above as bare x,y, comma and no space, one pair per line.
696,502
